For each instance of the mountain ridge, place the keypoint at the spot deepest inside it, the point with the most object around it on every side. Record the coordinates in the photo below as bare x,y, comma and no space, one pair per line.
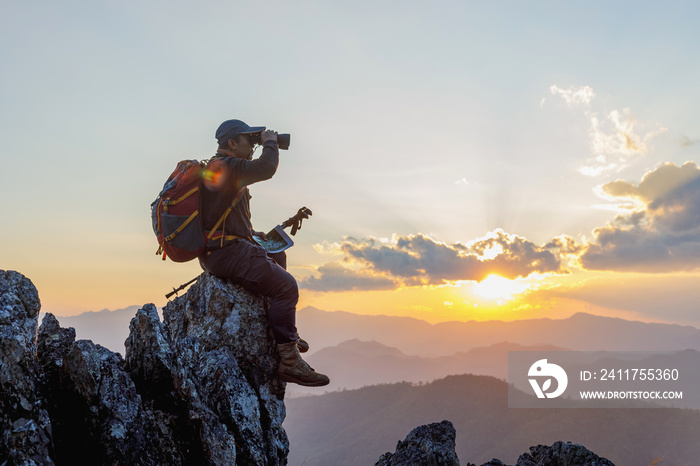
365,422
416,337
581,331
354,363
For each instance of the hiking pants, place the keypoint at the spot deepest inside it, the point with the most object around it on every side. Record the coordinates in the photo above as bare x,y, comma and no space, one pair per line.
249,265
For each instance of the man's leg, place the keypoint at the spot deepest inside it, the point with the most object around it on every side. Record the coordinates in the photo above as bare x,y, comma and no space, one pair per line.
251,267
267,278
248,265
280,258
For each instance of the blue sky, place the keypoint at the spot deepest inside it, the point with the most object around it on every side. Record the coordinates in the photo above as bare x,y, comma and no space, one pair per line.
446,119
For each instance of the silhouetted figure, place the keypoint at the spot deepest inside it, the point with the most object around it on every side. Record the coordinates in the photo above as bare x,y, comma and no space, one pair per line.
234,255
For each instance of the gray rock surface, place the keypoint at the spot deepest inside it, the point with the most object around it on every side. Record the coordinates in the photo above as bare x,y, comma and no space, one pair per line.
198,388
25,428
214,360
434,445
428,445
561,454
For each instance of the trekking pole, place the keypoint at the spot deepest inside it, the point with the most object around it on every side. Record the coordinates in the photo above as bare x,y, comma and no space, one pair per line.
182,287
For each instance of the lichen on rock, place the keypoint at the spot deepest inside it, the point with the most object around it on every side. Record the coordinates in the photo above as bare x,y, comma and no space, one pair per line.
214,358
198,388
434,445
25,427
562,454
427,445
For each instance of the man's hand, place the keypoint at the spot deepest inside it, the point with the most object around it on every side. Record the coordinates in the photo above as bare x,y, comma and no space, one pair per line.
260,234
268,135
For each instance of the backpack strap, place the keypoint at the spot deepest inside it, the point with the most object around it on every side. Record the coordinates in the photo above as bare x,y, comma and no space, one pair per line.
182,226
222,220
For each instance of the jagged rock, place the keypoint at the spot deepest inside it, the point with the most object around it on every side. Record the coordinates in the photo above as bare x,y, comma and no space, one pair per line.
198,388
150,359
25,428
225,364
434,444
561,454
428,445
53,344
210,367
98,415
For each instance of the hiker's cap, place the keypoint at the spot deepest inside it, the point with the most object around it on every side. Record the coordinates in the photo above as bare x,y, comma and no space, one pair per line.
229,129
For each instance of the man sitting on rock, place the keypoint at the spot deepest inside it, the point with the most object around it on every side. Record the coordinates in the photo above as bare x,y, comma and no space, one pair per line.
232,253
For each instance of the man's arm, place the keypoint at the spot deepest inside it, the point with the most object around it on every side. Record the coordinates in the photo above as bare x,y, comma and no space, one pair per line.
263,168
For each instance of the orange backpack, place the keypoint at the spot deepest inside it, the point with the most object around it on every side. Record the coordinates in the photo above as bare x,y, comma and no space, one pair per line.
176,213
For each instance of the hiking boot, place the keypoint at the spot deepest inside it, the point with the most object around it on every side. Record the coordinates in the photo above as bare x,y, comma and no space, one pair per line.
302,345
295,370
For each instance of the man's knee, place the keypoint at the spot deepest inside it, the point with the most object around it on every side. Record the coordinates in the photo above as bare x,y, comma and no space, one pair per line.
280,258
289,287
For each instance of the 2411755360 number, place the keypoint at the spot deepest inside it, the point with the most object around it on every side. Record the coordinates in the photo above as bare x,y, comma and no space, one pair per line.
639,374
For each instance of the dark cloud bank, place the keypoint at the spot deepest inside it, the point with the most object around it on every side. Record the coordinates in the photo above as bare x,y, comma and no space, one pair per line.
420,260
661,235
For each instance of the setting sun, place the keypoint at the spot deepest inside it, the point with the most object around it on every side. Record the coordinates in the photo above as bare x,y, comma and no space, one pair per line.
496,288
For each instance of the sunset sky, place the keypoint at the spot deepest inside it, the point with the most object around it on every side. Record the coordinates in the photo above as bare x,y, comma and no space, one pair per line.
463,160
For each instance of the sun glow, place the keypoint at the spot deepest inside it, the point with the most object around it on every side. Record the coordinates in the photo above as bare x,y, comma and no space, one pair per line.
496,288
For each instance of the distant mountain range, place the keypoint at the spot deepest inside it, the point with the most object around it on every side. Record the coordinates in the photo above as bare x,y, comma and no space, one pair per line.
414,337
355,364
105,327
356,426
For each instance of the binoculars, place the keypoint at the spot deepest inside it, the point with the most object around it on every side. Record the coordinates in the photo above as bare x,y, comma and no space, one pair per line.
282,140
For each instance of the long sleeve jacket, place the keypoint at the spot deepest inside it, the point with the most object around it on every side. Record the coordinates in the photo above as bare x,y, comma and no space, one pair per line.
237,174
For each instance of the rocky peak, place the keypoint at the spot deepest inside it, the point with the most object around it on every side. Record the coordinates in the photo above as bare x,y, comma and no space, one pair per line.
434,445
561,454
428,445
199,387
25,428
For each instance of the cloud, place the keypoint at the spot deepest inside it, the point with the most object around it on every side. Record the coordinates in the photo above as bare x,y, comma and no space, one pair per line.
335,277
659,233
515,256
685,141
566,246
573,97
417,260
420,259
663,235
614,139
655,184
619,138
